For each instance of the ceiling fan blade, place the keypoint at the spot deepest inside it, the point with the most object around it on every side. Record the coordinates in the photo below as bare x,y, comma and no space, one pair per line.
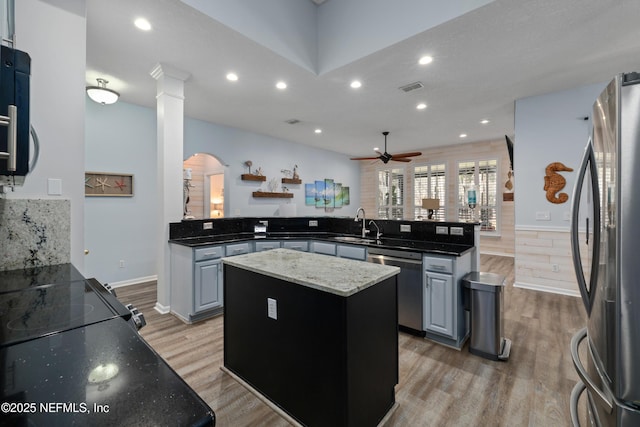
412,154
364,158
400,159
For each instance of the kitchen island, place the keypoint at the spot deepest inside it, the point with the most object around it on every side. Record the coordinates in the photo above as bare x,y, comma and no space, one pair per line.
316,335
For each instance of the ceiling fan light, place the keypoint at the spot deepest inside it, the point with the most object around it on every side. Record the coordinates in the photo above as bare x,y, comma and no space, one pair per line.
101,94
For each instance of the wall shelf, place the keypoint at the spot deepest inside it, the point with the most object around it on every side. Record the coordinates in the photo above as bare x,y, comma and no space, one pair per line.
291,181
251,177
272,195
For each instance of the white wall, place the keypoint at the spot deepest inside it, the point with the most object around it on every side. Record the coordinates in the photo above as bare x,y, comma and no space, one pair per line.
233,147
55,40
549,128
121,138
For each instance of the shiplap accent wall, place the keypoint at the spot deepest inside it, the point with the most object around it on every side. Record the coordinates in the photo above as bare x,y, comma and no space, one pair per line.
196,186
539,250
503,243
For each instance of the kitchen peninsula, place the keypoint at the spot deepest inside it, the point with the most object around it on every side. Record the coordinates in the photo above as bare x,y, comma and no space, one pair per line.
315,335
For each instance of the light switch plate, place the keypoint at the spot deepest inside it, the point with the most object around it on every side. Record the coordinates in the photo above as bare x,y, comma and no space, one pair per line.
405,228
442,230
272,308
54,187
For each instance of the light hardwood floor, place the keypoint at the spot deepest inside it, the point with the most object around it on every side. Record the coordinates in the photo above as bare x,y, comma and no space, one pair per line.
438,386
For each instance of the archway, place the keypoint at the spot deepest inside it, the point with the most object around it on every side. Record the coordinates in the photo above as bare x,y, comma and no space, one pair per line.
203,187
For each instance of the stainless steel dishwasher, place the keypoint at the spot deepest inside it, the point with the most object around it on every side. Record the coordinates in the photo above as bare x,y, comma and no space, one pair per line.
409,285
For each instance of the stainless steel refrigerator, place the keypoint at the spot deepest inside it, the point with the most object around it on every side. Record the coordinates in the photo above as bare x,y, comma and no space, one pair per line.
605,237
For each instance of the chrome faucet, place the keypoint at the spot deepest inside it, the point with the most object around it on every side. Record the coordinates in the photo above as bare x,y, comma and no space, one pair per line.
364,227
378,233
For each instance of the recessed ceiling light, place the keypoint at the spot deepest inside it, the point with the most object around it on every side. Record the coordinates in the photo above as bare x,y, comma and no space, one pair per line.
463,135
376,148
421,106
281,85
484,121
356,84
425,60
142,24
232,77
318,130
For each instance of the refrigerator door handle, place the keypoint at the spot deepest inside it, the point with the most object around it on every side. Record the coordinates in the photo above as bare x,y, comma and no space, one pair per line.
577,391
588,294
596,393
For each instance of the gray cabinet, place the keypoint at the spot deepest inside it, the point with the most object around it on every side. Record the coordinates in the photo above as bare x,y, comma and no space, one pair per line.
265,245
438,307
196,282
444,317
352,252
296,245
323,248
208,285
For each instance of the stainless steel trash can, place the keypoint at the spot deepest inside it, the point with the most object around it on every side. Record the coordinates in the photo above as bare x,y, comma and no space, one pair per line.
484,299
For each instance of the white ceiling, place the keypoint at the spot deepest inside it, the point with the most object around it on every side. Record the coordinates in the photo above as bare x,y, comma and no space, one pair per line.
484,61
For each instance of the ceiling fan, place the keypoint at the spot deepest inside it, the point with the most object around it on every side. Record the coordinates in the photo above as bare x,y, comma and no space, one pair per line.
385,157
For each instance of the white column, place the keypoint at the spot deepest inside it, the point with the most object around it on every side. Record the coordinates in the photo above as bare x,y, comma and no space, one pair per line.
170,136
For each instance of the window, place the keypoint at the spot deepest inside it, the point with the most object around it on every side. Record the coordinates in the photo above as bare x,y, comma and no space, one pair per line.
391,193
484,175
429,182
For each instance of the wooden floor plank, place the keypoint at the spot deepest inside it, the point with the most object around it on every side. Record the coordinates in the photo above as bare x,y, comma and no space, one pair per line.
438,386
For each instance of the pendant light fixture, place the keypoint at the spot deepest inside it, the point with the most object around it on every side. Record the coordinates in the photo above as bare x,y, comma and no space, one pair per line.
101,94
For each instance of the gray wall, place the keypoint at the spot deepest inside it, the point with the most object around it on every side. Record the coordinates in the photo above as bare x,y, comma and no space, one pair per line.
121,138
549,128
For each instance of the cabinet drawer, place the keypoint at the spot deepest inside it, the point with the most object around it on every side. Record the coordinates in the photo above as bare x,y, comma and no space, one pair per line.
296,246
352,252
212,252
238,249
324,248
266,245
441,265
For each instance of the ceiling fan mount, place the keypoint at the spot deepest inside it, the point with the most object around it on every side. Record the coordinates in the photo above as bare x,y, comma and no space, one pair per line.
385,157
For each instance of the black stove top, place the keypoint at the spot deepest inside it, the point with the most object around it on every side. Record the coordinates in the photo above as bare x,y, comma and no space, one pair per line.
45,309
70,356
102,374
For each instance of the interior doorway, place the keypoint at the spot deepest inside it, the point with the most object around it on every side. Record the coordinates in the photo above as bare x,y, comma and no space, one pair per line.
203,187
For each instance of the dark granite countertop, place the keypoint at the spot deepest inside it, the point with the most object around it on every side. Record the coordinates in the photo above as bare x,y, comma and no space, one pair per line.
450,249
99,375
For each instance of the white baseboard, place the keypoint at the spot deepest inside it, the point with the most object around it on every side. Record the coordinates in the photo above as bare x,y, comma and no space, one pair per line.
542,288
135,281
162,309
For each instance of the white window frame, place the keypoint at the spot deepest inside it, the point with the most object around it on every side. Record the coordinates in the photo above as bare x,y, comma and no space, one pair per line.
461,204
418,211
390,207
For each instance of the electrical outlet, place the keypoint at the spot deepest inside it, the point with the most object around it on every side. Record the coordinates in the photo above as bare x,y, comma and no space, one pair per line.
121,263
457,231
313,223
442,230
405,228
207,225
543,216
555,268
272,308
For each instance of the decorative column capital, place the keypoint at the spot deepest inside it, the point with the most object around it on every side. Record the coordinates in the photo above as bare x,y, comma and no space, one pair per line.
164,70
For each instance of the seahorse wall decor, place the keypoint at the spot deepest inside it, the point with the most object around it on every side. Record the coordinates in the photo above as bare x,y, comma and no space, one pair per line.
554,182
